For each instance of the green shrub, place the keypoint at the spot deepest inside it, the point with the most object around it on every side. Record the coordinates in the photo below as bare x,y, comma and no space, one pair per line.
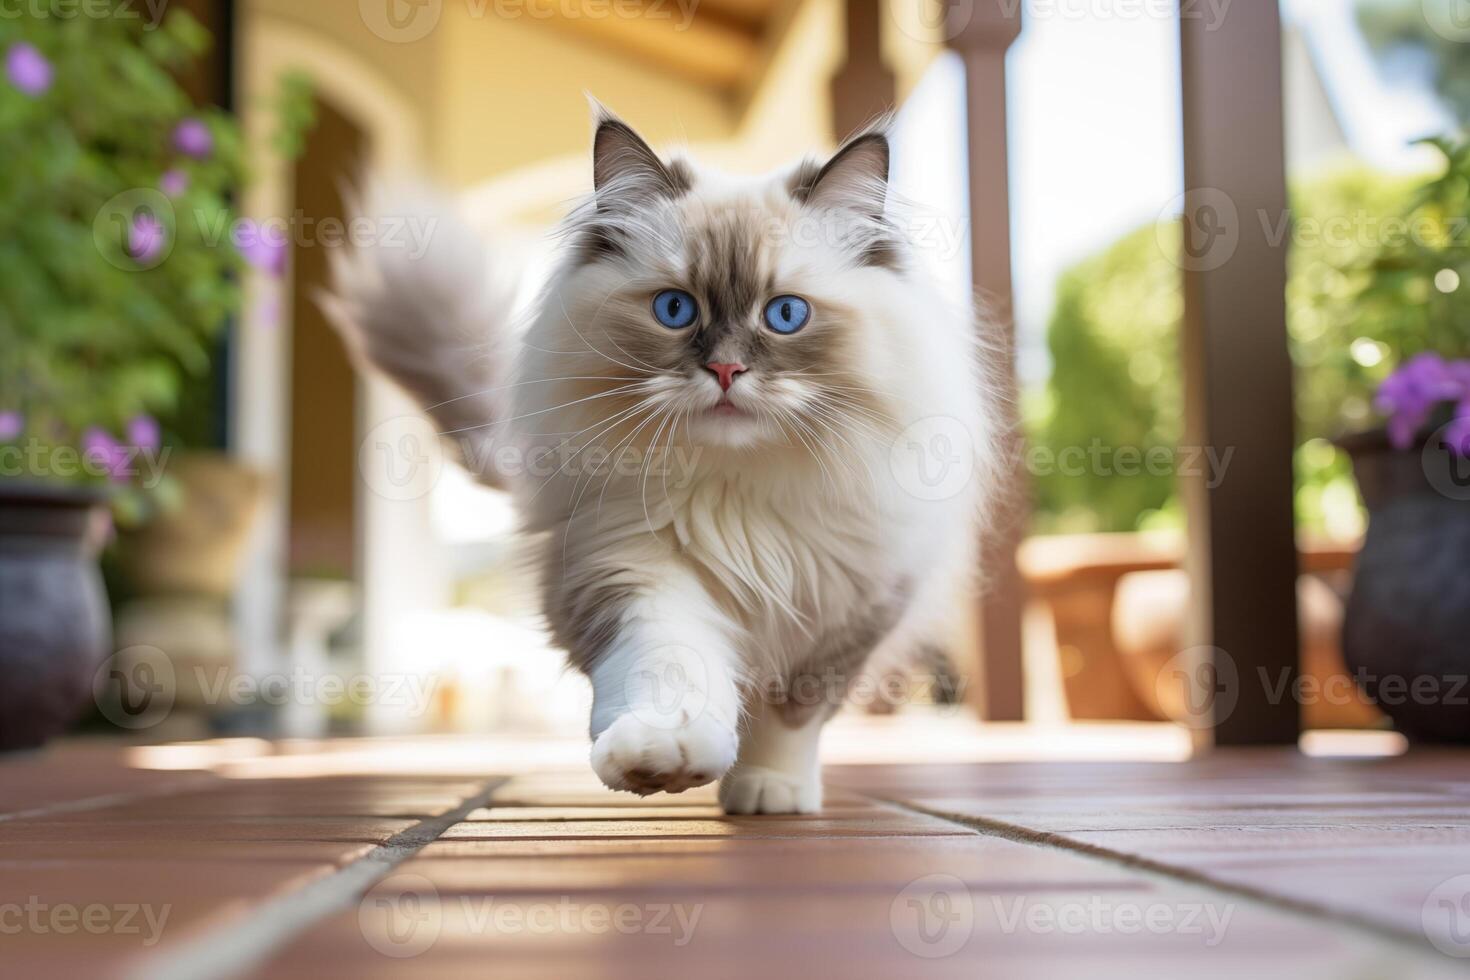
1354,304
119,262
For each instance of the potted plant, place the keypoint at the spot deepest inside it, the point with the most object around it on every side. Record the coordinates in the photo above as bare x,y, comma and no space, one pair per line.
114,280
1406,632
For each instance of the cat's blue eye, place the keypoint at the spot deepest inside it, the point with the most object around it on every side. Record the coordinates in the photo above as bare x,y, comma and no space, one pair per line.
675,309
787,314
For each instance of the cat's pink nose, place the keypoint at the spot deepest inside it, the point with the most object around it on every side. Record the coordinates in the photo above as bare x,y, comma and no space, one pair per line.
726,373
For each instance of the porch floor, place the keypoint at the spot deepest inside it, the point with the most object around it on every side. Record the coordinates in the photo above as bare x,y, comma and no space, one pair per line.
348,858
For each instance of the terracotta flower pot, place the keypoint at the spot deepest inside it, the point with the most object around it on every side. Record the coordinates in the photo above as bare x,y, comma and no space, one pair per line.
54,620
1406,634
197,549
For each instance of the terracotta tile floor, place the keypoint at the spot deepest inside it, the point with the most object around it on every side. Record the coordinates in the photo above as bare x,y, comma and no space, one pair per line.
295,860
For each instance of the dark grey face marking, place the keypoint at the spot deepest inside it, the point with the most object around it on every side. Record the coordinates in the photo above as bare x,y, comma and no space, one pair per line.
627,177
856,179
624,165
648,225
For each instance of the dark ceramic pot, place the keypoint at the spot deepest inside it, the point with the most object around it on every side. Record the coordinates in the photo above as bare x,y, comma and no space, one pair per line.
54,622
1406,632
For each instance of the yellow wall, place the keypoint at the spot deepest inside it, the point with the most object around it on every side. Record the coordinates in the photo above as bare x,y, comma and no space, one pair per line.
495,95
510,94
411,68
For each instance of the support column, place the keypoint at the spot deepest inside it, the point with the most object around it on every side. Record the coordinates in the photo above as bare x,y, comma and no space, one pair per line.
863,87
1237,374
982,40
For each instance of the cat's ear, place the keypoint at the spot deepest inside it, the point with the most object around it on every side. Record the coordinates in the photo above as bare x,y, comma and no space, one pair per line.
625,167
855,179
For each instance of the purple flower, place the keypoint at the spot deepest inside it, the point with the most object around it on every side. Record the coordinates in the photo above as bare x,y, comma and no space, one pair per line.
103,452
143,433
12,424
27,69
1457,433
259,246
174,183
193,139
1410,394
145,238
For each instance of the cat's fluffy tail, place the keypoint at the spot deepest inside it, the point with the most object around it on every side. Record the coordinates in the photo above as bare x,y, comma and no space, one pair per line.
421,304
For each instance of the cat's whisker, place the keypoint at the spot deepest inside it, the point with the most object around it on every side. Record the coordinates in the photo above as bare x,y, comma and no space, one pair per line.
612,471
531,381
879,422
832,424
798,426
554,408
580,488
591,346
604,424
647,469
673,434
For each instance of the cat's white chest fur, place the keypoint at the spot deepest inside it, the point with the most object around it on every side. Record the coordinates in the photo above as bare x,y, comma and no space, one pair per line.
792,557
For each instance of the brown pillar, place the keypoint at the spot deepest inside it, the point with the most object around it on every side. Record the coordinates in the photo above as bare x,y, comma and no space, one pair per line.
863,87
1242,556
982,33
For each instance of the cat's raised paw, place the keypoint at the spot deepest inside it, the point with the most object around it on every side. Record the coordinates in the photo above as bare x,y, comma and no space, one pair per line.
641,758
756,789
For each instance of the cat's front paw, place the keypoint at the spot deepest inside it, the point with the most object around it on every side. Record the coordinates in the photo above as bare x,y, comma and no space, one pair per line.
756,789
633,755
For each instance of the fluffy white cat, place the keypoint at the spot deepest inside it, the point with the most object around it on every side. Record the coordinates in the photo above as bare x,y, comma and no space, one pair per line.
750,438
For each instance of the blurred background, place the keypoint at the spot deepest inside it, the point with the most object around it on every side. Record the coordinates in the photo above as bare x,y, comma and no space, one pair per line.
304,560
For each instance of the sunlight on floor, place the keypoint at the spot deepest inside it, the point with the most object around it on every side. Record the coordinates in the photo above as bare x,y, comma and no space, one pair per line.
911,738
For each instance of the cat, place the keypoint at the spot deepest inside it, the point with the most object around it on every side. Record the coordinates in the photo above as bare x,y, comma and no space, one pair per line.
829,413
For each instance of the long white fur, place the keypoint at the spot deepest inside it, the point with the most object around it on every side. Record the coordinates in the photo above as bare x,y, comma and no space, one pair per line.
732,569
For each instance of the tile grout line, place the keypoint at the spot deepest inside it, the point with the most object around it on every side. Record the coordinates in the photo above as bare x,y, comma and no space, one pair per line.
237,947
990,827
